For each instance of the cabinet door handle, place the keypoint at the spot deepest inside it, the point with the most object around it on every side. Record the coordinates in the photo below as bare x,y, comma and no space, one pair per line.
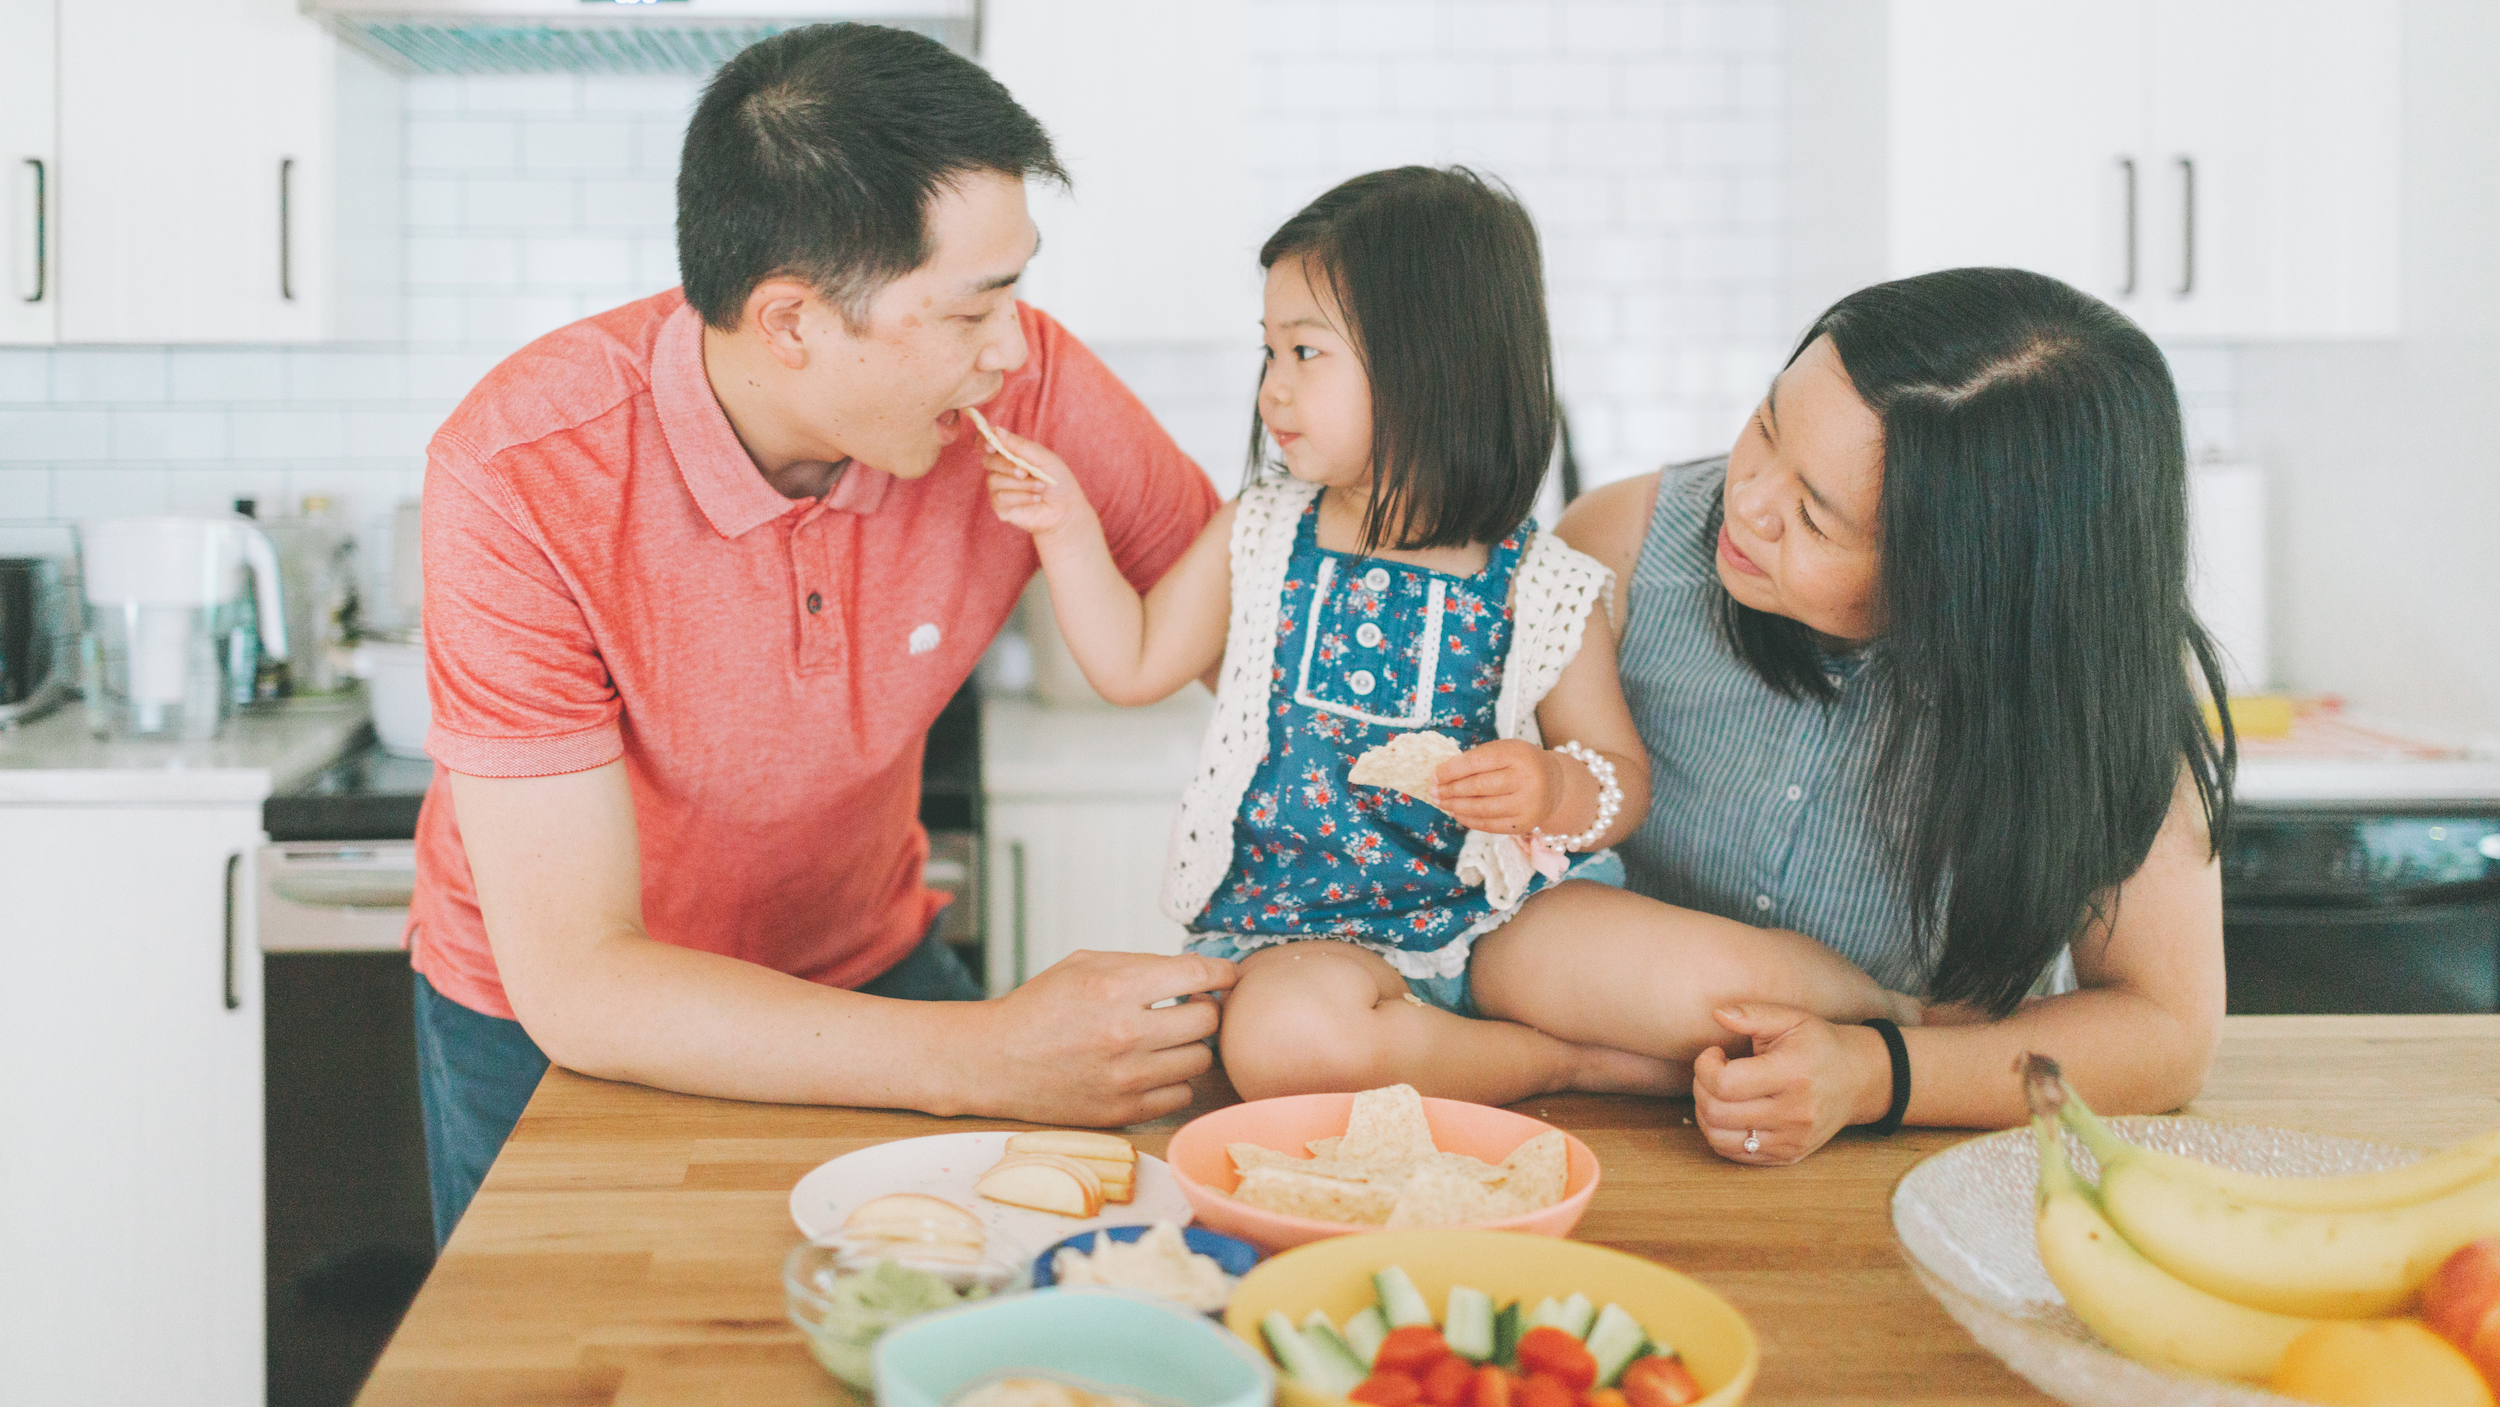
2187,226
1015,876
286,229
2126,164
43,260
234,867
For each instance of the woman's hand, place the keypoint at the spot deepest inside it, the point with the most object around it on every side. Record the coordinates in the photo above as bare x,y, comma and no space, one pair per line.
1506,787
1806,1080
1023,501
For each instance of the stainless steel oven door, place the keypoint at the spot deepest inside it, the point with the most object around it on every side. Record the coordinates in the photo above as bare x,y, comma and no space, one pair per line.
347,896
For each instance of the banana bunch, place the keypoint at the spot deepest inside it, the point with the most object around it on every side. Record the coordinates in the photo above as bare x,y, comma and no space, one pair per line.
2175,1261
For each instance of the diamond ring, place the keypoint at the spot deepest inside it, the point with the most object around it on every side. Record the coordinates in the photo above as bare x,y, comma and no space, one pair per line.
1753,1141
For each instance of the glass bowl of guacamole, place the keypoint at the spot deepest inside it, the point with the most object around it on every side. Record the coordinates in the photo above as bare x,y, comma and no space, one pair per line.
845,1292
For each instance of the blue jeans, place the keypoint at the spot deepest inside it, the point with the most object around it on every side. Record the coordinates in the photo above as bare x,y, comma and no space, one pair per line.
475,1073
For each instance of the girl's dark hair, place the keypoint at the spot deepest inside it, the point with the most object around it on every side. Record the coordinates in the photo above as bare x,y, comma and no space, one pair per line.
816,152
2037,633
1443,292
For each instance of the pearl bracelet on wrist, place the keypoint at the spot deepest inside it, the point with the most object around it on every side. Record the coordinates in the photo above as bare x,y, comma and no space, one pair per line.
1609,799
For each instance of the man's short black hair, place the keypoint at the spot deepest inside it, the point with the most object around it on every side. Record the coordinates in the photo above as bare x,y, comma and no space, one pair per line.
815,154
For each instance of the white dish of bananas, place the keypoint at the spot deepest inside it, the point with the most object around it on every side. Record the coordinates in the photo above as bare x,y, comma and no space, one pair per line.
1972,1220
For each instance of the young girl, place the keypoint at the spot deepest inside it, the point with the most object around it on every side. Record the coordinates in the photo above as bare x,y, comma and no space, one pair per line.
1389,583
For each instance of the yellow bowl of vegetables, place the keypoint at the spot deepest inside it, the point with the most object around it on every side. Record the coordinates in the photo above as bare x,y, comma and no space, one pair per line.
1491,1299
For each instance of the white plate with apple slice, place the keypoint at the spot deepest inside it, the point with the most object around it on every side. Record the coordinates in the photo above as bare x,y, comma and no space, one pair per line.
947,1166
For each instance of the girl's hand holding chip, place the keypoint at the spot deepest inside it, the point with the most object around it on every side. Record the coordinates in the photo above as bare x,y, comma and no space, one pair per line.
1506,787
1040,507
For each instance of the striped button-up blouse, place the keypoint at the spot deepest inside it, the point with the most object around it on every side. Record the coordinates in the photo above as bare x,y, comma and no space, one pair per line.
1759,804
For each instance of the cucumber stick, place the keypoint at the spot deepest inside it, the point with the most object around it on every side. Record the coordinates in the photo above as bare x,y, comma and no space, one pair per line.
1400,1303
1576,1314
1507,1327
1364,1332
1614,1341
1326,1343
1315,1368
1468,1328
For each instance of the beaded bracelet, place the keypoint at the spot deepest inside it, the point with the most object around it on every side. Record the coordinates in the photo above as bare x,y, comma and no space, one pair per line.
1609,799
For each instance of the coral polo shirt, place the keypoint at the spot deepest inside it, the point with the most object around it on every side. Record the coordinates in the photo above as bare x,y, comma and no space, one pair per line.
608,575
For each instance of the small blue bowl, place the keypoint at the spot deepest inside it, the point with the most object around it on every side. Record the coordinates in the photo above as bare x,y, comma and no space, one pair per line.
1105,1340
1233,1257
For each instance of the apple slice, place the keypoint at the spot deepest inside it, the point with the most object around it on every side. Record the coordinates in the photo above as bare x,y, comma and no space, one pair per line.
1076,1143
911,1216
1044,1182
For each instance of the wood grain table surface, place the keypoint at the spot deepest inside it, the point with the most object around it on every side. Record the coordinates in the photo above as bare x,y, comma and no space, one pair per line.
627,1246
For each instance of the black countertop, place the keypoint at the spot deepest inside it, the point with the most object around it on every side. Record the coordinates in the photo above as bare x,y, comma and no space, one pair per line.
371,795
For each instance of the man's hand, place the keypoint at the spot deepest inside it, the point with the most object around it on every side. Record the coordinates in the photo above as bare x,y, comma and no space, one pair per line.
1079,1045
1506,787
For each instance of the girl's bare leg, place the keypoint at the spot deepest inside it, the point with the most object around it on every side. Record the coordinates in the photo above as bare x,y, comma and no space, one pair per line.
1591,963
1326,1017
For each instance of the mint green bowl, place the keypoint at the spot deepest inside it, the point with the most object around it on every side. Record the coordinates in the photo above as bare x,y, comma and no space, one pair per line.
1102,1340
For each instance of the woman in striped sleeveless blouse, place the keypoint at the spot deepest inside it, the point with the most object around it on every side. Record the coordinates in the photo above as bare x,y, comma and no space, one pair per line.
1916,672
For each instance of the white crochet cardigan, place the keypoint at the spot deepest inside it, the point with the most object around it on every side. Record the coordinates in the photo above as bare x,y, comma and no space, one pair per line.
1552,592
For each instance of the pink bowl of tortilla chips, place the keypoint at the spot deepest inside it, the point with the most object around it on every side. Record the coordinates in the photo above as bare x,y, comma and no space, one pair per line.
1384,1158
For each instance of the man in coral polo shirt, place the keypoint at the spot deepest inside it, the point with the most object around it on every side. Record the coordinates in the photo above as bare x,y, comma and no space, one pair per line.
700,572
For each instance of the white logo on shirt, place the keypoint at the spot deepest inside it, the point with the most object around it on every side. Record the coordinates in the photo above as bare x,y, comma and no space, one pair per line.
924,639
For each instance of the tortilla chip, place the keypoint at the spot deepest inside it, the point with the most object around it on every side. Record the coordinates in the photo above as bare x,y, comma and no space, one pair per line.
1538,1169
1319,1198
1387,1130
1325,1147
1406,763
1251,1155
1442,1195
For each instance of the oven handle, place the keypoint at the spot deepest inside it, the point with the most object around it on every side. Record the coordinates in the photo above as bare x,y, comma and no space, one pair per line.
347,889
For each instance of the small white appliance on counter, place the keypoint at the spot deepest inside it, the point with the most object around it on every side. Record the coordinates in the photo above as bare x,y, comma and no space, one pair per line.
168,630
606,36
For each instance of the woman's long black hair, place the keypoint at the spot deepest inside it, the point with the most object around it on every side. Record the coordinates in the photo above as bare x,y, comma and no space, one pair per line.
2036,633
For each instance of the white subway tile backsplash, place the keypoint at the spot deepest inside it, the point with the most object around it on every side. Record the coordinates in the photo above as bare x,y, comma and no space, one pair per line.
1429,84
1635,144
1389,27
511,319
1677,201
39,436
577,146
435,320
141,435
447,376
25,493
289,434
1502,27
438,145
110,492
532,93
658,141
576,261
321,374
1678,85
392,434
1373,143
1306,85
82,376
1615,27
1734,27
655,263
424,94
1508,145
227,375
25,375
444,262
639,94
1293,28
214,488
522,203
1582,85
629,203
1729,142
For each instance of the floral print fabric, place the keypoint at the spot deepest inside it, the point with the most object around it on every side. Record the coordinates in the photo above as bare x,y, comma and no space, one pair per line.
1366,649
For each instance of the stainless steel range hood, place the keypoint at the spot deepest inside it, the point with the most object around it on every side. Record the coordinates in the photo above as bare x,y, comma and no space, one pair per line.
608,36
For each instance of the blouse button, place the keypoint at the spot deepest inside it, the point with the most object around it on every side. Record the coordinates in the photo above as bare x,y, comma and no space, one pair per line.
1360,681
1367,635
1762,901
1796,793
1377,579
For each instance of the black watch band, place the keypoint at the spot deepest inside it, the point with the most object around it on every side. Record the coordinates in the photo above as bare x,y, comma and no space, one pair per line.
1900,1051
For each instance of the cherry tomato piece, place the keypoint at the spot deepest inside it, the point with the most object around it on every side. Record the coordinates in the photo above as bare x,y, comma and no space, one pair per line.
1445,1382
1489,1387
1604,1397
1387,1390
1545,1390
1660,1382
1410,1350
1555,1353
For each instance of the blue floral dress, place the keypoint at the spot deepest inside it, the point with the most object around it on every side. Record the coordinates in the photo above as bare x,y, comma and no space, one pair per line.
1366,649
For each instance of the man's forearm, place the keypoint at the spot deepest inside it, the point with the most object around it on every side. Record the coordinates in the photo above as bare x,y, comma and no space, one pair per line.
631,1008
2125,1052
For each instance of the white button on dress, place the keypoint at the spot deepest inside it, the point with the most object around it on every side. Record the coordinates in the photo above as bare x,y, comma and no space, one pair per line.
1360,681
1796,793
1377,579
1762,901
1367,635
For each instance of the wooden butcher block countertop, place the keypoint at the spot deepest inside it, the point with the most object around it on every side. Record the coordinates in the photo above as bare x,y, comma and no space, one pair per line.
627,1246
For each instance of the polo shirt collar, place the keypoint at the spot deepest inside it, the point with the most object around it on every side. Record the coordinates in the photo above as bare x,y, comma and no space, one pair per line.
717,468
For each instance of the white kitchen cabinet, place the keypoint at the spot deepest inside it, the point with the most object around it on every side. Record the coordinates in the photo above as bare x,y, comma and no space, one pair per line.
2220,170
227,171
130,1043
1077,811
30,203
